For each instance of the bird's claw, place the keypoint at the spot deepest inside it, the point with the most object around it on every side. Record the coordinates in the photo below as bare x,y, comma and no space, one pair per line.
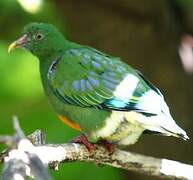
82,139
107,145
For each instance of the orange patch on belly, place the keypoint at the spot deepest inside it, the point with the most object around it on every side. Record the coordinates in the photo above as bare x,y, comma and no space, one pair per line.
70,123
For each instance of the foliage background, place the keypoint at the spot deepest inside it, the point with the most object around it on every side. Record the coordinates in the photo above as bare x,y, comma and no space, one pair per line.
146,34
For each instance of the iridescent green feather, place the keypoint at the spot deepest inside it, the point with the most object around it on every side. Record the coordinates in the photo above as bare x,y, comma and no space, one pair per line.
86,77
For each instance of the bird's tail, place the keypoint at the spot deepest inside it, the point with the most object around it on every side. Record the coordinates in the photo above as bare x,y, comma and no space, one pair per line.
175,131
164,125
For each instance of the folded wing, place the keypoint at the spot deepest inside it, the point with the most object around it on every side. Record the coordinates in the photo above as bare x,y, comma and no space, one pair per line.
98,80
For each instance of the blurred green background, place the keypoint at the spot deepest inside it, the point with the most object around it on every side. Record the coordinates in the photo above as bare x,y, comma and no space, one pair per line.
146,34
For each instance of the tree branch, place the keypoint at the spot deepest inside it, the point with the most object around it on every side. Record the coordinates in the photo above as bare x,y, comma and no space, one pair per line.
35,155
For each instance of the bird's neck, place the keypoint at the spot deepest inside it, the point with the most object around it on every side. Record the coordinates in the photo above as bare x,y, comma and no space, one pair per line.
54,50
47,59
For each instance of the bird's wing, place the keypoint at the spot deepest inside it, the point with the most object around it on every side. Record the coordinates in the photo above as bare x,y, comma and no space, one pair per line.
89,78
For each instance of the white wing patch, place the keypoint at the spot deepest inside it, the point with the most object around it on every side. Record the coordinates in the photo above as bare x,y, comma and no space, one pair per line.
149,102
126,88
153,103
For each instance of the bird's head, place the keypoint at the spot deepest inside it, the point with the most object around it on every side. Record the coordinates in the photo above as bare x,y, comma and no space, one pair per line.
41,39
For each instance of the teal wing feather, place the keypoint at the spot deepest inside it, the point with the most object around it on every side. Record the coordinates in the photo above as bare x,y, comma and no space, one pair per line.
88,78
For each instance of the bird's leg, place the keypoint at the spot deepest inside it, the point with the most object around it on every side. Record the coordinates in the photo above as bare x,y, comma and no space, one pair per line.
82,139
108,146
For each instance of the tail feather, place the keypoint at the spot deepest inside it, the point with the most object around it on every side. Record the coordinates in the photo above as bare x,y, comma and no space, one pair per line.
184,137
159,124
166,132
179,134
164,125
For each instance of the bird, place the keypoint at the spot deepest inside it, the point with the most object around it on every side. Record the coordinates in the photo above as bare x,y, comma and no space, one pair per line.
95,93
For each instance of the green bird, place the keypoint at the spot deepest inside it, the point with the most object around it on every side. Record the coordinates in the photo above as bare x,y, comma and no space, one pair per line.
95,93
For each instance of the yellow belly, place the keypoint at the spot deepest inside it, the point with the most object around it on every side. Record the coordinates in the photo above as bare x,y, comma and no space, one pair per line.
121,128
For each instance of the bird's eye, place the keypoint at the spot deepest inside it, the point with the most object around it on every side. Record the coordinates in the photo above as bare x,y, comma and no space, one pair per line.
38,36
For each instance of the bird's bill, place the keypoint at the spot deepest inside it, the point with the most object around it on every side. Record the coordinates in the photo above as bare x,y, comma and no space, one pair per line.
18,43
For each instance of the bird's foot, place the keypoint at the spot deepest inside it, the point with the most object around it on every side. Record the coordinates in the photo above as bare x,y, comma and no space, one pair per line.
82,139
108,146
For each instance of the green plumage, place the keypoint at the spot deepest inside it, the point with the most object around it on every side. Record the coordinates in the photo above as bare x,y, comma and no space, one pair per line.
107,98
